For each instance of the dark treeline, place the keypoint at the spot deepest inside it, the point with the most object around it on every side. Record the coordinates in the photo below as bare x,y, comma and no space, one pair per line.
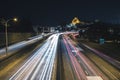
22,25
99,30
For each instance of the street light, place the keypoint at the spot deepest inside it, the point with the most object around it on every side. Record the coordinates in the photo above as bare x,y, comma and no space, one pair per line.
6,34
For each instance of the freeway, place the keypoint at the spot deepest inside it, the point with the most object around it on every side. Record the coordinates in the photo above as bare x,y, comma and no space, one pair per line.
20,45
83,68
61,58
104,66
108,65
64,66
40,65
107,58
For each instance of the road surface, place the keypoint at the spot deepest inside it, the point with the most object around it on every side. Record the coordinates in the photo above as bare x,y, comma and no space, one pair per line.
61,58
40,65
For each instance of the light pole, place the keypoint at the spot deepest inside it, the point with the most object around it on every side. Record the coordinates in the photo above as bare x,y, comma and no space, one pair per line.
6,33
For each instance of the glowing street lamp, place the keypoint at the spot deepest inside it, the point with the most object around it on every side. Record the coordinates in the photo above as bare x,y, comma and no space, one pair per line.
15,19
6,34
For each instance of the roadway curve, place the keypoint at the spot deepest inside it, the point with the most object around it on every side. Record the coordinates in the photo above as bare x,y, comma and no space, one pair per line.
40,65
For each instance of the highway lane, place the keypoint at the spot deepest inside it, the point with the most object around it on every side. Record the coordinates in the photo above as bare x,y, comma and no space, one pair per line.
17,46
83,68
60,68
107,58
107,65
64,67
80,74
40,65
75,65
9,65
103,63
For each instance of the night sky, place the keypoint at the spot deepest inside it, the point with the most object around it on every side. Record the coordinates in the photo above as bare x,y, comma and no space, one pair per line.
54,12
